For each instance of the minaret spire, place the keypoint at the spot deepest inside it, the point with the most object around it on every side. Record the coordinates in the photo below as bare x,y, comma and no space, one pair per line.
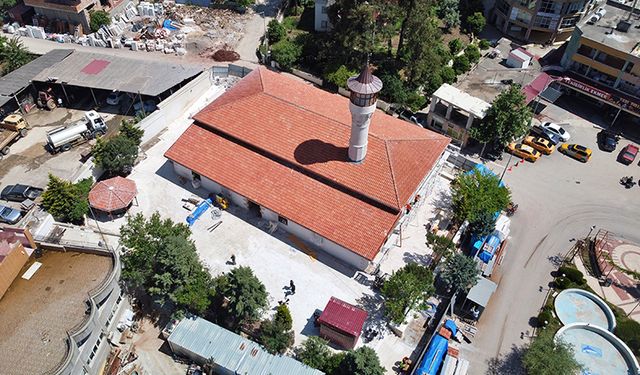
364,94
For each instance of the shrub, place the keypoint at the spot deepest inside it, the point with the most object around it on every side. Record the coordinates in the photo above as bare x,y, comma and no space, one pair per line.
484,44
67,201
629,331
340,76
275,31
98,19
544,316
290,23
455,46
461,64
572,274
448,75
286,53
563,283
473,53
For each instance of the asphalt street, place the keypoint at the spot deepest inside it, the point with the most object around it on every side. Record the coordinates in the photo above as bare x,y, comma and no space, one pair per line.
559,200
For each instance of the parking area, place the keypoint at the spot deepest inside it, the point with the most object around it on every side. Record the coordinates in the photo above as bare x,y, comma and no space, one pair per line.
28,162
280,257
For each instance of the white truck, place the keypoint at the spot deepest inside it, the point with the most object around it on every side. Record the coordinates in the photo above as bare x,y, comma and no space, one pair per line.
63,138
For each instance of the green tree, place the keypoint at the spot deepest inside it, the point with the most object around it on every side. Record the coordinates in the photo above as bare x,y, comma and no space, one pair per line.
507,119
275,31
362,361
13,54
99,18
340,76
449,13
484,44
460,273
247,296
420,53
448,75
484,224
476,193
315,353
461,64
455,46
441,246
286,53
473,53
276,334
132,131
116,155
475,24
407,288
5,5
67,201
546,356
393,89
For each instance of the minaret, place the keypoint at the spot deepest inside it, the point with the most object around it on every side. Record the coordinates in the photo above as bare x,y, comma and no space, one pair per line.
364,94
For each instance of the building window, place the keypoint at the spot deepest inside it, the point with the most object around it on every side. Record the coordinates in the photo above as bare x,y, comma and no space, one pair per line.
587,51
548,6
195,176
523,17
283,220
324,10
324,24
569,22
628,67
530,4
575,7
609,60
542,21
503,7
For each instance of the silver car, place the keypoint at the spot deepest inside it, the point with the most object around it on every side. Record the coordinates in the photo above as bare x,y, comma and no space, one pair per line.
9,215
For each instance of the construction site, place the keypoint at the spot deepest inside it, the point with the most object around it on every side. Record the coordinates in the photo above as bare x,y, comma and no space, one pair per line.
163,27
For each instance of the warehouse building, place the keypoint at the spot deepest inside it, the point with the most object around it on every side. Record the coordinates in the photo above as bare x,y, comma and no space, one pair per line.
336,173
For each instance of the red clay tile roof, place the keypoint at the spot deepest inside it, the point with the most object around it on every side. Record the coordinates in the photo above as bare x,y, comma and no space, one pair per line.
113,194
283,144
343,316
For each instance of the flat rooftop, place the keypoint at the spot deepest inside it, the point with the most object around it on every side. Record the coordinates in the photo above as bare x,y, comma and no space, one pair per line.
37,313
485,82
606,30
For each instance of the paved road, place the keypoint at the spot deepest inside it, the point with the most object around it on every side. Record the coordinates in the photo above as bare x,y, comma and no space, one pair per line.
265,11
559,199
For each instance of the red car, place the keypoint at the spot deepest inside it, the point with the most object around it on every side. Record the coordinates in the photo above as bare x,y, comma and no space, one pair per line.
628,154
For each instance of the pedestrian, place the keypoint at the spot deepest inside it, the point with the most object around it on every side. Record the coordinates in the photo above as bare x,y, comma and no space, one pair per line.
233,259
292,286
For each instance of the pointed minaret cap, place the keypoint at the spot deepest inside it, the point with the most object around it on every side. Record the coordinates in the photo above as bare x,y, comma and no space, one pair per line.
365,82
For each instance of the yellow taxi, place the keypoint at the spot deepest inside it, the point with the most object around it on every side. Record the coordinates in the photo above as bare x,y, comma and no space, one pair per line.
541,144
575,151
523,151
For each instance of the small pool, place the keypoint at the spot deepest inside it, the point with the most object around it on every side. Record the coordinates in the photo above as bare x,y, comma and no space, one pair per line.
580,306
598,350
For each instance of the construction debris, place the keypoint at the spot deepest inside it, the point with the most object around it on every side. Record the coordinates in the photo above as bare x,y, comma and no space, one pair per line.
163,27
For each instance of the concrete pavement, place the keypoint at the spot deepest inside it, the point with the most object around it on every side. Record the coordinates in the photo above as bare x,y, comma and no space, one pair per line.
265,11
559,199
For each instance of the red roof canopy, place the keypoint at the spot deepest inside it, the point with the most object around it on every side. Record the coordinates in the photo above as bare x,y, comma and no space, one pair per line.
112,194
343,316
283,144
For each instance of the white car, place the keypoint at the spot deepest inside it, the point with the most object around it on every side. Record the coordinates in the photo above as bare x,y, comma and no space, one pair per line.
557,129
115,97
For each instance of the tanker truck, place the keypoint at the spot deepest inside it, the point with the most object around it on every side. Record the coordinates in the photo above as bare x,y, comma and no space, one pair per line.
63,138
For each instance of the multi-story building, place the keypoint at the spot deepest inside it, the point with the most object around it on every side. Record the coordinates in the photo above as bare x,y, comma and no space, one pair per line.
74,12
541,21
321,21
602,59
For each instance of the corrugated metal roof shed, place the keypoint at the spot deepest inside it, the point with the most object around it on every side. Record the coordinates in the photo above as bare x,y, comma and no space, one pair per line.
21,77
106,72
343,316
204,340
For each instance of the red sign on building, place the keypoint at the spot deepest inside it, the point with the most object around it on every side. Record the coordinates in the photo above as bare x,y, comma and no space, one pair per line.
622,102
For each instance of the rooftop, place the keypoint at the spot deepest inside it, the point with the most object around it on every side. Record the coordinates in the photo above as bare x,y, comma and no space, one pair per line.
462,100
491,76
283,144
343,316
606,30
232,351
108,72
20,78
37,313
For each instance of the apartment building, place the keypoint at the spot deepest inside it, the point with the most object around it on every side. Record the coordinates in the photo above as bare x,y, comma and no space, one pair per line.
321,20
540,21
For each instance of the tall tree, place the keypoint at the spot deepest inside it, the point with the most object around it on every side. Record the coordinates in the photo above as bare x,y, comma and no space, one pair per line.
314,352
477,193
13,54
460,273
65,200
362,361
276,334
246,294
448,12
441,246
407,288
507,119
547,356
484,224
475,23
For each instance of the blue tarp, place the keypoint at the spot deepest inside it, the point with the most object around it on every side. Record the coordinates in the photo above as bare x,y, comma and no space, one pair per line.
487,248
200,209
167,25
483,170
433,357
451,326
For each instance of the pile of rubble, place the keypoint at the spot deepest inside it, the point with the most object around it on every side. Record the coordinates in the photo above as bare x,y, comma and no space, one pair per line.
163,27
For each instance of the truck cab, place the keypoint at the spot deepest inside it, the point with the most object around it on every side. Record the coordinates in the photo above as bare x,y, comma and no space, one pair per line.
95,122
14,122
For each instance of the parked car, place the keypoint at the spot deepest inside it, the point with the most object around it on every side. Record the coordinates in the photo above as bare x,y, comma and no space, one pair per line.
608,141
541,144
9,215
628,154
539,131
19,193
148,105
115,98
576,151
558,130
523,151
